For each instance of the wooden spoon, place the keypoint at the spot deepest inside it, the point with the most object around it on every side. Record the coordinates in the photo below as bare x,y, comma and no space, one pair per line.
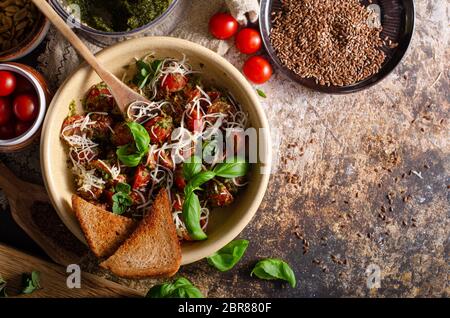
123,95
23,198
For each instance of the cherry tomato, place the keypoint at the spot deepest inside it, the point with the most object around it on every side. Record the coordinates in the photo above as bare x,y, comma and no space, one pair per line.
23,85
248,41
141,177
7,131
7,83
25,107
21,128
5,110
223,26
174,83
257,69
159,128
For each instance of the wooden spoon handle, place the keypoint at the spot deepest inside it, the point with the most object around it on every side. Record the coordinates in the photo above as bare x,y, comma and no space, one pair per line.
112,81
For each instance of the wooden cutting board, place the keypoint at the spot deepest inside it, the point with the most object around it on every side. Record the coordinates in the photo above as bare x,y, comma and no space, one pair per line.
53,279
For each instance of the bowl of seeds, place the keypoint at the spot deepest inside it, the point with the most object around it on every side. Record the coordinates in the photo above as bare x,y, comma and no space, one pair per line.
22,28
337,46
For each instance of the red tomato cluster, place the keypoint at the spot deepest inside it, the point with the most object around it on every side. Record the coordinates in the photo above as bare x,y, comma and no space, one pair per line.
19,105
248,41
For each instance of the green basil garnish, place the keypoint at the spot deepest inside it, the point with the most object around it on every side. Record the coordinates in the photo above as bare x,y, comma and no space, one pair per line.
191,216
131,155
273,268
261,93
121,199
146,72
192,167
229,255
237,168
30,282
181,288
198,180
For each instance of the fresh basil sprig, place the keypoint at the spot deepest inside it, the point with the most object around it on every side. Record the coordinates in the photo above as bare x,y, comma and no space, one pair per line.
196,178
198,181
229,255
131,155
191,216
181,288
121,199
237,167
274,268
146,72
30,282
3,284
192,167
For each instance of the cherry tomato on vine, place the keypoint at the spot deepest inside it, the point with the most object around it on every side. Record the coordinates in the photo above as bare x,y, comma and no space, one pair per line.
223,26
25,107
248,41
7,83
5,110
257,69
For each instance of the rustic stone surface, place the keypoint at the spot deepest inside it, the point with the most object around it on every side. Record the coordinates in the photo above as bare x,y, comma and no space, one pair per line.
363,179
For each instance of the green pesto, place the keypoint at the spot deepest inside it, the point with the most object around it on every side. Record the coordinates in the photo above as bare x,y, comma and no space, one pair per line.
119,15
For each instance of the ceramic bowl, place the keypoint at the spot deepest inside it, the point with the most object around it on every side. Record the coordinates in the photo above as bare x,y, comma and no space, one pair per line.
61,7
35,37
43,94
226,223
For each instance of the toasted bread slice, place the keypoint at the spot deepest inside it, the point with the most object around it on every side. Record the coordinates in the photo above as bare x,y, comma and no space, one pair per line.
153,250
104,231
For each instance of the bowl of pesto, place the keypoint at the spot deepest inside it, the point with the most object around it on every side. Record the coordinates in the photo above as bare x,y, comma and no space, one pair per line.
114,18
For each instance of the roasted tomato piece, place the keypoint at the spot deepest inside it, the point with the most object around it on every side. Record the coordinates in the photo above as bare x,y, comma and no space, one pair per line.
93,194
218,194
136,198
122,135
194,120
214,95
99,99
179,180
163,158
84,156
70,121
174,82
159,128
141,177
102,127
219,107
192,93
234,184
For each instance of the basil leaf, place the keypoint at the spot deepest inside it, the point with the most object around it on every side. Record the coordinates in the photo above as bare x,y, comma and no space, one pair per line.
141,136
123,187
127,154
273,268
127,158
146,72
237,168
121,202
261,93
30,282
198,180
192,167
191,216
229,255
3,284
181,288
